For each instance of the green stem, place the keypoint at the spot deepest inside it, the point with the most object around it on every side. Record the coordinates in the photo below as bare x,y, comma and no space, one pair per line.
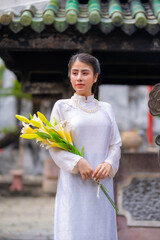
111,201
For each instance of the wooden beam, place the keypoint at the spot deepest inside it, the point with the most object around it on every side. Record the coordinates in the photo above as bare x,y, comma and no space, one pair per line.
72,40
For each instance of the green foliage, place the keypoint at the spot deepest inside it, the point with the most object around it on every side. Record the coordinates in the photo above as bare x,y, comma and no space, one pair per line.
31,117
14,90
2,69
43,135
82,151
55,121
10,129
107,195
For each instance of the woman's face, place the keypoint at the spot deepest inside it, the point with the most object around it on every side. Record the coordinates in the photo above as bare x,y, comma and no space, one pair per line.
82,78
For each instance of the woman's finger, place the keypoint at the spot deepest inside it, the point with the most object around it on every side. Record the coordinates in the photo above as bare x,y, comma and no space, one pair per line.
102,171
97,171
83,177
104,174
87,175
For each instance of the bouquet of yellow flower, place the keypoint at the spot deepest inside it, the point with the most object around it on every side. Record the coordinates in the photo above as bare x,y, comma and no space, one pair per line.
40,129
52,135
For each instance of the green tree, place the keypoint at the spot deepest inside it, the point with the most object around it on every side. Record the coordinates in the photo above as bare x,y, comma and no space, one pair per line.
11,133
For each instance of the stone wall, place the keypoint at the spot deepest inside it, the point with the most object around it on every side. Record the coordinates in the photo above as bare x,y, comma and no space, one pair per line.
130,105
137,193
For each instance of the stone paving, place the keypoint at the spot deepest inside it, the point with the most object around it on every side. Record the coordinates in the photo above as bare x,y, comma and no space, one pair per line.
26,218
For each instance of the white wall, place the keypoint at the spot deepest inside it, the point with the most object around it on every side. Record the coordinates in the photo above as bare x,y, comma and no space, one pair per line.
130,105
4,4
7,105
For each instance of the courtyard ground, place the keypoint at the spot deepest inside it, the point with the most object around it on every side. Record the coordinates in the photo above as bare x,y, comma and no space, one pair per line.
26,218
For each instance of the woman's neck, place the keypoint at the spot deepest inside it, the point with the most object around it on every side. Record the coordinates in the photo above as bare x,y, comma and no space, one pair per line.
85,95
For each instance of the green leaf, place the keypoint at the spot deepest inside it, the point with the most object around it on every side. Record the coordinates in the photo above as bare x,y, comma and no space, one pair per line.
74,150
105,188
50,131
55,121
63,145
43,135
68,147
2,70
55,137
49,124
44,119
111,201
9,129
31,117
82,151
14,90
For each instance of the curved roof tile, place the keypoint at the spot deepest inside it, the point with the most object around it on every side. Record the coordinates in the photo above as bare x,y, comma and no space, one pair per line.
108,15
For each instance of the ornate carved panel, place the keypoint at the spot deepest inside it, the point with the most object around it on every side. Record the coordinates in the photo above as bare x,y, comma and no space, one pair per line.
139,200
154,105
154,100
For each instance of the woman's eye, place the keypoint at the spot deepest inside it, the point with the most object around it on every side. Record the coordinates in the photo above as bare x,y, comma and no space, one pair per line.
74,73
85,73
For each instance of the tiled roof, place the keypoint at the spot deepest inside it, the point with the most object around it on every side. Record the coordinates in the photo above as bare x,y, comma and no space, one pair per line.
107,15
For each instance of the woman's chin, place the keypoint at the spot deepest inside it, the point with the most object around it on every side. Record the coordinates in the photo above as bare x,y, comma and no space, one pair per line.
80,91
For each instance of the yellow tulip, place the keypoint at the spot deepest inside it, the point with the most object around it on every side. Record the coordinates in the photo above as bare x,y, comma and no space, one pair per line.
28,130
22,119
36,123
29,136
66,129
44,119
42,125
68,136
45,129
53,145
61,133
36,118
42,141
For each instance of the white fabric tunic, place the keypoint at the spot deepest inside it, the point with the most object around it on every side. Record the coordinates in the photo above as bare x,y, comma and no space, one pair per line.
79,214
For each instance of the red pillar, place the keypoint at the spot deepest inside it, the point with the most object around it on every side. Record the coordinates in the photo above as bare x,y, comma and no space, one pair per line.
150,124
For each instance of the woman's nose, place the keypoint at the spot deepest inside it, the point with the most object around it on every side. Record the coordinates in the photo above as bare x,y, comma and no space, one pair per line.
79,76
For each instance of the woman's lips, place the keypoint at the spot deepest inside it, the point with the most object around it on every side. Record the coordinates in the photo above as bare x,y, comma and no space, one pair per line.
79,85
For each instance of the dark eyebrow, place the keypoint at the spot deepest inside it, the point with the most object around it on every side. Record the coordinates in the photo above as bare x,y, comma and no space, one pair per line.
74,69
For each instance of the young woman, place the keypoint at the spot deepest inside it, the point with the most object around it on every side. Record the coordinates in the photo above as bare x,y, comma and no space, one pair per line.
79,214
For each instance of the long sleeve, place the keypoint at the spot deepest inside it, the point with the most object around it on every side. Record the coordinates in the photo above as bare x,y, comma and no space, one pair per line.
66,161
114,151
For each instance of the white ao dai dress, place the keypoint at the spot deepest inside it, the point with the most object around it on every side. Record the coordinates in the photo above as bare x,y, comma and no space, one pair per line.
79,214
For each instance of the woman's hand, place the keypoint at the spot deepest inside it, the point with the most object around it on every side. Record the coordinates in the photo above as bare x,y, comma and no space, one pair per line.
102,171
85,169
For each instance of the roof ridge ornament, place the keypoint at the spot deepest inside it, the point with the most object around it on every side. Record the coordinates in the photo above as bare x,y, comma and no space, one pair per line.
115,12
7,17
138,13
94,10
27,14
72,11
156,9
50,11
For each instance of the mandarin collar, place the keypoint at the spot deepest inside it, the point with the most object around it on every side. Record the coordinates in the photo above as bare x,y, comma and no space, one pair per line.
83,98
